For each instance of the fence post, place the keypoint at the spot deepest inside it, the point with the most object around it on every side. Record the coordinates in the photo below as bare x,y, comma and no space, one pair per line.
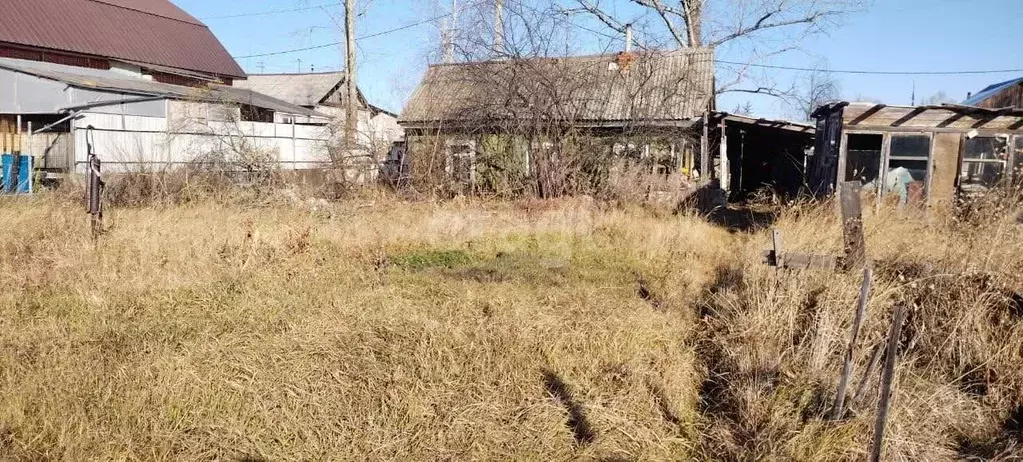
94,186
887,378
861,309
852,226
776,241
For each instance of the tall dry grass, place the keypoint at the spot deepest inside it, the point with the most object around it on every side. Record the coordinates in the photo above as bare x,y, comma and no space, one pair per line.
474,330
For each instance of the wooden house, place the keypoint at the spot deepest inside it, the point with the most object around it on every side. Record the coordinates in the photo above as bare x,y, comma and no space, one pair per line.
923,155
999,95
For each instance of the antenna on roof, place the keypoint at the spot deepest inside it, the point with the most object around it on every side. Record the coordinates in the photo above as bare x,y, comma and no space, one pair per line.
262,67
300,65
912,99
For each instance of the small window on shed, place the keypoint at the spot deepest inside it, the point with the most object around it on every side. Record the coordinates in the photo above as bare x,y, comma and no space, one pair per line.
907,172
1017,164
863,157
256,114
984,161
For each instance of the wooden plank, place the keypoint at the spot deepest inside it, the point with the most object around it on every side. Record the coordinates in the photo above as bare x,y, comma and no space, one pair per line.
838,411
875,357
799,261
888,377
777,255
852,226
705,169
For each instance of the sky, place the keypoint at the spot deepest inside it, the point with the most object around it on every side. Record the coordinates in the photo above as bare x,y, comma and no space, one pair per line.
887,35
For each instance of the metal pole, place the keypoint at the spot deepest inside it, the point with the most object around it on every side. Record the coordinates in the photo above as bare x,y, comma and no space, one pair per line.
31,152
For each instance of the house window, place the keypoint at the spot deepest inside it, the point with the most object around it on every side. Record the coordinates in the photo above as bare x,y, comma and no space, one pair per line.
863,157
907,172
462,161
984,161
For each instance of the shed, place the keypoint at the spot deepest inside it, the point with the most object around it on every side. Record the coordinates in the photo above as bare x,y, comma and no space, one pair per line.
918,155
140,123
757,153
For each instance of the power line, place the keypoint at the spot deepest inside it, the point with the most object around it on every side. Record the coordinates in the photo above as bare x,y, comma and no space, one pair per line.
858,72
334,44
269,12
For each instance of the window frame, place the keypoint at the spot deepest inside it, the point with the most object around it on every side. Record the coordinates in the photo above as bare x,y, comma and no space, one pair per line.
843,164
1008,165
886,159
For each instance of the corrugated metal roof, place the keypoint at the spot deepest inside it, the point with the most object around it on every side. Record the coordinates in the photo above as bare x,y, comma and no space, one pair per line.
113,81
991,90
148,31
300,89
653,87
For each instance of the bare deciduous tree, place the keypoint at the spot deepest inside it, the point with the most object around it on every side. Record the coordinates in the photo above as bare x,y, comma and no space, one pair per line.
754,29
938,98
818,87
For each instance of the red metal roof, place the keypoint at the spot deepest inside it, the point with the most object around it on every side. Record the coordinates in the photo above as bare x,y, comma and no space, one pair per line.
148,31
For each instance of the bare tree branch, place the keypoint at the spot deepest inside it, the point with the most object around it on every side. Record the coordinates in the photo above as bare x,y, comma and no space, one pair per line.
603,17
664,12
762,25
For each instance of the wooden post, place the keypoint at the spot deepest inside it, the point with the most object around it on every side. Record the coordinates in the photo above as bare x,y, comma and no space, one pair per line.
776,235
875,357
705,150
351,113
839,409
886,383
723,174
852,226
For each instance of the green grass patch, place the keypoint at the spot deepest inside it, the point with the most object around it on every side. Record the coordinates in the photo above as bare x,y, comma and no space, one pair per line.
422,259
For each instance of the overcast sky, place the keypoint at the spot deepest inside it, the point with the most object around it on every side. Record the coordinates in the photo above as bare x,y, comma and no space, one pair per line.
891,35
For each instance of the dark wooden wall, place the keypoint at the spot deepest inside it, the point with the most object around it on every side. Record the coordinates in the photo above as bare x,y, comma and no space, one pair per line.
1010,97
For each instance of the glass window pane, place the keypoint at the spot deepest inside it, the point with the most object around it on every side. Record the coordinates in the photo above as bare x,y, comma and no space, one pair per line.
978,177
907,179
986,148
911,146
863,158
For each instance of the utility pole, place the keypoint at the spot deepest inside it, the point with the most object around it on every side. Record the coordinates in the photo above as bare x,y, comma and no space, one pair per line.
351,114
499,27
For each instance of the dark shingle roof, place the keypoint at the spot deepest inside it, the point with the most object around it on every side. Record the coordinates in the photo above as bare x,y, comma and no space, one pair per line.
603,89
147,31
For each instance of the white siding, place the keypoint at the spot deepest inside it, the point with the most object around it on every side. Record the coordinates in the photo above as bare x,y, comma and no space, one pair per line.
139,143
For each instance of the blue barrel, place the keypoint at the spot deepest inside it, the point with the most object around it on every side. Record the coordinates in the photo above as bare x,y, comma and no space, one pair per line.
24,183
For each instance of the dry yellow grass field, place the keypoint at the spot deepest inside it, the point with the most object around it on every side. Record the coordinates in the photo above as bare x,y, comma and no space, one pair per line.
501,331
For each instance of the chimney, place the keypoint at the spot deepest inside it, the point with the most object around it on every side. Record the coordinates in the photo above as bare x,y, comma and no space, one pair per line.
499,26
628,38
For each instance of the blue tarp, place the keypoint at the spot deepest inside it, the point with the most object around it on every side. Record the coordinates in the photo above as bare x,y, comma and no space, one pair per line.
24,183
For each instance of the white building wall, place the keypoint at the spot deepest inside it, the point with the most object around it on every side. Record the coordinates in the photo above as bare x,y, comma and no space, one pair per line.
140,143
